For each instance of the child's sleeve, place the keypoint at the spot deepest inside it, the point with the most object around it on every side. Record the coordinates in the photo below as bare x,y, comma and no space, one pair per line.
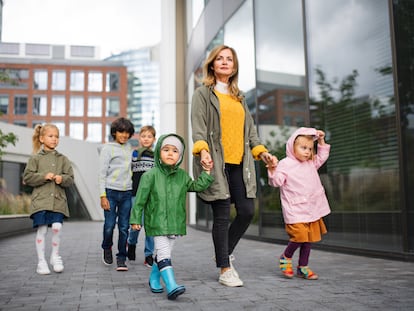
31,176
276,177
104,159
200,184
67,173
141,199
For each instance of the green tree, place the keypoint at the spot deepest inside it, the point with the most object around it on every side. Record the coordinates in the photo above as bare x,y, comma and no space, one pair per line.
6,138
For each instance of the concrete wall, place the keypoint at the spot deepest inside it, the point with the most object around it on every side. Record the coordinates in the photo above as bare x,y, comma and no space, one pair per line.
84,157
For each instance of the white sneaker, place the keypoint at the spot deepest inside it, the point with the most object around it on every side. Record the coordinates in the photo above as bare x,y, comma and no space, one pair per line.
42,267
229,279
57,263
231,259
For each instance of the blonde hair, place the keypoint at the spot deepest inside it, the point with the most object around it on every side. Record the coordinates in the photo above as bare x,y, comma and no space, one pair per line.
309,138
209,79
39,131
147,128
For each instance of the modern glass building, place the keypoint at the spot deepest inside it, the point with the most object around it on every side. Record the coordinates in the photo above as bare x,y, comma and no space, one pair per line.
344,66
143,85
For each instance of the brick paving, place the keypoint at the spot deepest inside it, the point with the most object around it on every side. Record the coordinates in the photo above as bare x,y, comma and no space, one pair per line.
346,282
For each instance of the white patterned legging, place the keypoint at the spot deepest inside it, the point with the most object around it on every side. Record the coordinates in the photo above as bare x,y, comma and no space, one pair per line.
163,246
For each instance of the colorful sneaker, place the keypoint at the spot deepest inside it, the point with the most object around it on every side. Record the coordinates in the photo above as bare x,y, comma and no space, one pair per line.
148,262
306,273
57,263
229,279
107,257
42,267
285,265
120,265
131,252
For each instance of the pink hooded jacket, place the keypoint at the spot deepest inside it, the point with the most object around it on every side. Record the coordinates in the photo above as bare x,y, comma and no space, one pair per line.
301,192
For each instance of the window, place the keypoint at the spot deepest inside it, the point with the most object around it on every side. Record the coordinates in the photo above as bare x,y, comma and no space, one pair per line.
77,80
112,107
58,80
58,106
76,130
39,105
94,132
95,107
76,106
112,81
4,104
40,80
20,105
95,81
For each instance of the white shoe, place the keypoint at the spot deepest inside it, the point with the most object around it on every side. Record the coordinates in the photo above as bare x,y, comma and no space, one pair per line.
42,267
57,263
231,259
229,279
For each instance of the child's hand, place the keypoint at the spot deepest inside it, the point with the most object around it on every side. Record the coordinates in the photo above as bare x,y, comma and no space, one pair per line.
105,204
321,137
136,227
207,166
58,179
49,176
269,159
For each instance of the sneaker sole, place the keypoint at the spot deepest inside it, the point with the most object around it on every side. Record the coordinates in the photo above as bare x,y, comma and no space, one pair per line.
42,272
121,269
106,263
231,284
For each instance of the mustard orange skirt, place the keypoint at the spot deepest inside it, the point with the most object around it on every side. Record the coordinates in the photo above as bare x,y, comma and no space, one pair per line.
306,231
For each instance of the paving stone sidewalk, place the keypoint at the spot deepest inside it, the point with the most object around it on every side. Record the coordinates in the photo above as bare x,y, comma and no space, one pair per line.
346,282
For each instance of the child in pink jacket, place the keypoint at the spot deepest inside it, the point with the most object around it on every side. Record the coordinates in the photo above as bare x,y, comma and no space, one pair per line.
302,195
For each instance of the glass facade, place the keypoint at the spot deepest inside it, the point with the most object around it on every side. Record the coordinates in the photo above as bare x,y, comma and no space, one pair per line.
143,86
330,65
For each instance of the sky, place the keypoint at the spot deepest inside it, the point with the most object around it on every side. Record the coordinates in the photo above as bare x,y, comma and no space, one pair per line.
111,25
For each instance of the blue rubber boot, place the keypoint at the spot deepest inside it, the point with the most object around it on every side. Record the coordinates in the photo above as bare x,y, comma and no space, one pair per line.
167,274
154,280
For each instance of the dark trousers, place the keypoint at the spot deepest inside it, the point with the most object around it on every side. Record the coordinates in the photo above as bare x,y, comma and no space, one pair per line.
225,237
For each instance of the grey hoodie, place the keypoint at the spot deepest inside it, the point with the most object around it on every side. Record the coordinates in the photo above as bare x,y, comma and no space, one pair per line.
115,167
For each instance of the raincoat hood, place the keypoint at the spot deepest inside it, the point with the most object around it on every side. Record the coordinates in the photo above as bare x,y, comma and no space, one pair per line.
300,131
157,154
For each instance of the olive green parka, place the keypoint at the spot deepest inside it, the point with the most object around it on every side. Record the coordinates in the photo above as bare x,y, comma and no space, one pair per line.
47,195
205,122
162,195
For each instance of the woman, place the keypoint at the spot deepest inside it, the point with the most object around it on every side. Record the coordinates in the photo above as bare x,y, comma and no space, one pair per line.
223,131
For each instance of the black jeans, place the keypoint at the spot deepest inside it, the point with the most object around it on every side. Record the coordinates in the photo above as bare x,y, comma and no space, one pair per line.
225,238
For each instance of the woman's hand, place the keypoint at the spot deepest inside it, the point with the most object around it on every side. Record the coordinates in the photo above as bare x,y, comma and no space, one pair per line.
205,159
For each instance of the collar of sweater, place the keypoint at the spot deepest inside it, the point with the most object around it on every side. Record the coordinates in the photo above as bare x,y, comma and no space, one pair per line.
221,87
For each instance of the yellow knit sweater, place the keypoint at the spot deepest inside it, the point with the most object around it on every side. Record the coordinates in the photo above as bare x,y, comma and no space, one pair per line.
232,128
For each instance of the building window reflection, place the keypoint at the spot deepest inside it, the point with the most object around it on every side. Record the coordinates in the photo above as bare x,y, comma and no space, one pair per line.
76,106
58,80
112,82
40,80
58,106
77,80
112,106
94,132
94,106
76,130
4,104
39,105
95,82
20,104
